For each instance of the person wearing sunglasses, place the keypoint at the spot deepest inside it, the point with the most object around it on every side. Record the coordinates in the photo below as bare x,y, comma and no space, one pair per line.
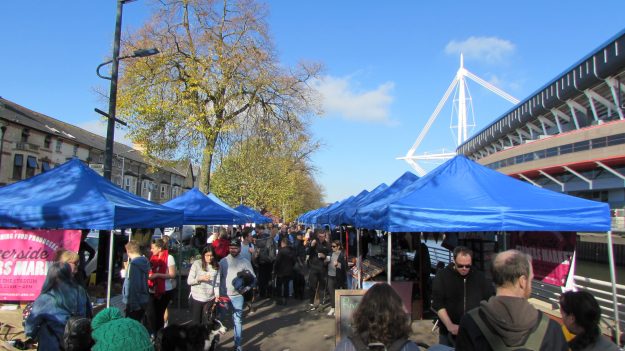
457,289
337,277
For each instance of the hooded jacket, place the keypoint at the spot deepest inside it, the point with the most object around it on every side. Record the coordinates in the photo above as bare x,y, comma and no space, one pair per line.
513,319
135,292
46,322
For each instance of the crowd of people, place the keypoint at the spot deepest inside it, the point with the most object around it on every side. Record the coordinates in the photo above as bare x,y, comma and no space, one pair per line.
235,268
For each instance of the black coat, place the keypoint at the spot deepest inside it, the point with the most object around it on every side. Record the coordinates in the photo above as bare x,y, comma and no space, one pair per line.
285,261
314,262
458,294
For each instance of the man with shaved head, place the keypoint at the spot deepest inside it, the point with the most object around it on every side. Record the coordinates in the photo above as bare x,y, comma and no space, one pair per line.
508,321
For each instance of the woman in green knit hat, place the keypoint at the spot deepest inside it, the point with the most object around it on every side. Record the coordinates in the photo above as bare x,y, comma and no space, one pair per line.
111,331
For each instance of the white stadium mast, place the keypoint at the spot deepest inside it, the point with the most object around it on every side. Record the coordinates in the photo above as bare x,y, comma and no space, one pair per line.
459,83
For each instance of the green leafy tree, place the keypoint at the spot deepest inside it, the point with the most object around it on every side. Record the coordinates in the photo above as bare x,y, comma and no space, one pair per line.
269,175
217,71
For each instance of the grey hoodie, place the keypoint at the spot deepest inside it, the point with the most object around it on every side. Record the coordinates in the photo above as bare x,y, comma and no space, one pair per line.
511,317
135,292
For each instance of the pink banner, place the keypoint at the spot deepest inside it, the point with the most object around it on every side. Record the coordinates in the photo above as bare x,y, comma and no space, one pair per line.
25,256
552,253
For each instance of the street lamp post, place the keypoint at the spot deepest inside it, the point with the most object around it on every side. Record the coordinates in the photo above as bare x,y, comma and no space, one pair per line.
110,130
110,127
3,129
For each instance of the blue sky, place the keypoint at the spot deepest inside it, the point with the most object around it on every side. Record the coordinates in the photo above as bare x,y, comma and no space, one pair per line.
387,65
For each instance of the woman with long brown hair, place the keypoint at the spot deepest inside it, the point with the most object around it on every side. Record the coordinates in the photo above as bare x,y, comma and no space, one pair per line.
204,282
380,321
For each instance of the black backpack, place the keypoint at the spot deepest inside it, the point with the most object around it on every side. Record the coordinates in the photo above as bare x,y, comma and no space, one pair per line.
77,334
360,345
266,250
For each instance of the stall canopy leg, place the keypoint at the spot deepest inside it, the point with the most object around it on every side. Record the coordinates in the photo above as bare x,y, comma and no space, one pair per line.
613,279
358,258
110,275
388,258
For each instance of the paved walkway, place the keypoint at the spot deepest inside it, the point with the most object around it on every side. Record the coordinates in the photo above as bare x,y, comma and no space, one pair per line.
280,328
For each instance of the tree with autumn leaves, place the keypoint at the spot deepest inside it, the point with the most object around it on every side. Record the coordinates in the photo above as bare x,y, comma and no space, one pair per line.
216,88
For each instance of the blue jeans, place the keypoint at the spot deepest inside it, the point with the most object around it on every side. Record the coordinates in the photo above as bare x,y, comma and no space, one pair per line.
236,304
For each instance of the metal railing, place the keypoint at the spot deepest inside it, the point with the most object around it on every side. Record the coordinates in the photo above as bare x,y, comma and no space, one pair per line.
439,255
26,146
602,291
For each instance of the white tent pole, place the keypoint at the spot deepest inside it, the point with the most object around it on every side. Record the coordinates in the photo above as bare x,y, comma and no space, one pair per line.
110,275
613,279
358,257
388,259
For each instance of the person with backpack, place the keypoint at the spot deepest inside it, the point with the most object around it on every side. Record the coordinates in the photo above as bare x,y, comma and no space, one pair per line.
60,300
508,321
283,269
379,323
299,269
236,277
264,257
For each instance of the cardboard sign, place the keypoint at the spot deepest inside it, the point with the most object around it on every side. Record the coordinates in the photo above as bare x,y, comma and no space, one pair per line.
25,256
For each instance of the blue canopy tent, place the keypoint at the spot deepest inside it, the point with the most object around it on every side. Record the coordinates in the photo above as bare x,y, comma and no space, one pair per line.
344,215
461,196
255,215
321,217
398,185
312,217
306,217
208,209
332,216
73,196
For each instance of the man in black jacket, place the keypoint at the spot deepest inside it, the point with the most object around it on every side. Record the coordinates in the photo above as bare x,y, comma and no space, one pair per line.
318,250
457,289
508,320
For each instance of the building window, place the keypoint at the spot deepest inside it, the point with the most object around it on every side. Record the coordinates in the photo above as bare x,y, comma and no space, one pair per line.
45,166
47,141
25,135
144,188
163,191
130,184
75,153
18,164
31,166
59,144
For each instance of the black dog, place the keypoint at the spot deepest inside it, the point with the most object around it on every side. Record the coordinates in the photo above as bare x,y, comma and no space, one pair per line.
189,337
